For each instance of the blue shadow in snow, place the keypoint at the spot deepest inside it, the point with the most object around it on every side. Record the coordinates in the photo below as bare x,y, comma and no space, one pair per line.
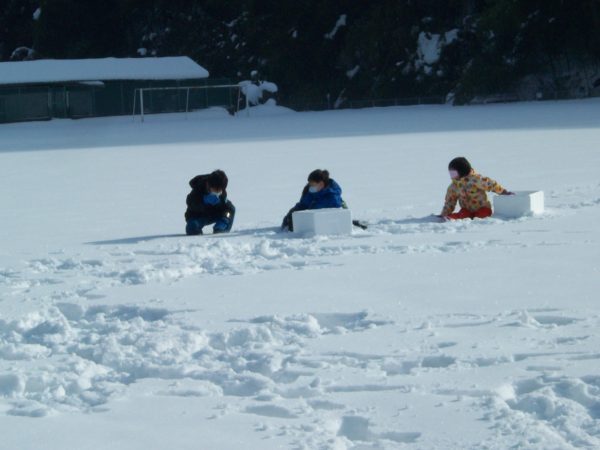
266,231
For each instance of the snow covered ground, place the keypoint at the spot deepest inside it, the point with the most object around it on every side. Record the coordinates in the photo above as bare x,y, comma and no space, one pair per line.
117,332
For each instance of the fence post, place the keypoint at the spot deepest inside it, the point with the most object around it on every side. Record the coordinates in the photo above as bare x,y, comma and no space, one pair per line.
187,102
237,106
65,100
134,98
142,103
247,106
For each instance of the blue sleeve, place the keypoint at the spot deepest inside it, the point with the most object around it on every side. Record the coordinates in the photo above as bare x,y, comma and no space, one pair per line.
304,203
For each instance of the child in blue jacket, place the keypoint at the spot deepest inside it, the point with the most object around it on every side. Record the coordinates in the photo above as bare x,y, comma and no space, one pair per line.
320,192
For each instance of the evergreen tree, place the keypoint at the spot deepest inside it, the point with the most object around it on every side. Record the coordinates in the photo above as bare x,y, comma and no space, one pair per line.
320,51
16,27
80,29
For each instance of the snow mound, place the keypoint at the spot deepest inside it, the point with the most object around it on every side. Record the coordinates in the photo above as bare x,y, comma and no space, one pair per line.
102,349
266,109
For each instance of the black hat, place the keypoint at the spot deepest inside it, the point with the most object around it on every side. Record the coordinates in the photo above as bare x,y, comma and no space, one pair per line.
461,165
218,180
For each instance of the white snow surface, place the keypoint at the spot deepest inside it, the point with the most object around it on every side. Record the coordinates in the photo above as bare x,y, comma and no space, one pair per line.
118,332
62,70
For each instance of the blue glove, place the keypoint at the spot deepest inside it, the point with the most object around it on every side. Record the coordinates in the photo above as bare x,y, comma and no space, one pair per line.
222,225
211,199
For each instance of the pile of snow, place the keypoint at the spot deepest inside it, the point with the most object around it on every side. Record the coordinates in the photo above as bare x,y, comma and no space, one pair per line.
268,108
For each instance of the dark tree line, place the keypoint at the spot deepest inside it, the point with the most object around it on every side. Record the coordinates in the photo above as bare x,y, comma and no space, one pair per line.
328,50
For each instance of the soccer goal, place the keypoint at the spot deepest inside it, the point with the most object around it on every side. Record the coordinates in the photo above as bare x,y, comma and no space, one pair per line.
192,96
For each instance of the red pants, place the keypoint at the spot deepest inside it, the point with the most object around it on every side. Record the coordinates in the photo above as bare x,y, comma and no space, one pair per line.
481,213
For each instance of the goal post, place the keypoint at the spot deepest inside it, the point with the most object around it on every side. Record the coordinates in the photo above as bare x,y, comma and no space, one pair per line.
139,96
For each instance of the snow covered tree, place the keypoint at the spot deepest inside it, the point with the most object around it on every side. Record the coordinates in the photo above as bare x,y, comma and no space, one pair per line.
323,51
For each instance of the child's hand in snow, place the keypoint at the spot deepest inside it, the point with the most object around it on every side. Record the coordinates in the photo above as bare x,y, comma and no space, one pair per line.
505,192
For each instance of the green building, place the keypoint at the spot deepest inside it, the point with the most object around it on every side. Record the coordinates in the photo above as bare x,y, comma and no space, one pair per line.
45,89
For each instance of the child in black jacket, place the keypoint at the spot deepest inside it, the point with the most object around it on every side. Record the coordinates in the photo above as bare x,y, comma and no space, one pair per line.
208,204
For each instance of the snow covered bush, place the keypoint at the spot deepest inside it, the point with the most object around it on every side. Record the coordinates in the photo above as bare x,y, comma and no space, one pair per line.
253,91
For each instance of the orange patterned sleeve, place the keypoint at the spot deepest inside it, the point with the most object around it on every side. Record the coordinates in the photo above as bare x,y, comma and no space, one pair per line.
451,199
490,185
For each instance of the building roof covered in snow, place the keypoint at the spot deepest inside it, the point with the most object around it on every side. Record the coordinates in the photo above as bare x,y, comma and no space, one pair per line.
65,70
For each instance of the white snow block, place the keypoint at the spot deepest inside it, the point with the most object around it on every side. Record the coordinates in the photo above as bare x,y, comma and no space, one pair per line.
331,221
523,203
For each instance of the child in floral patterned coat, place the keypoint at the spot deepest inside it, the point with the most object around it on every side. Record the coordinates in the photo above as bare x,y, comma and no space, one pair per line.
469,189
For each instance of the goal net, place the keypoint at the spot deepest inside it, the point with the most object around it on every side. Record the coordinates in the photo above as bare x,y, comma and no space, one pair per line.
185,99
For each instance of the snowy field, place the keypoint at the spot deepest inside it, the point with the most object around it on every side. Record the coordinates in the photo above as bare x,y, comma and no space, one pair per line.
117,332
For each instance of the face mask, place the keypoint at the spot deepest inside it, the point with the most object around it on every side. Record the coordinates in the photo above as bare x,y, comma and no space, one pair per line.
454,174
212,199
313,189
